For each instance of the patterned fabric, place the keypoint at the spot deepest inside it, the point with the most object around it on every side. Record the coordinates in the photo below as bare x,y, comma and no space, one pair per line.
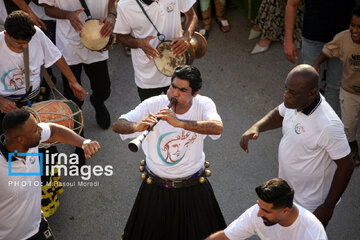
49,194
271,20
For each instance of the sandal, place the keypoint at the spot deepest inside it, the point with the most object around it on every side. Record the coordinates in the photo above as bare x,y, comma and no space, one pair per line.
206,28
204,32
224,25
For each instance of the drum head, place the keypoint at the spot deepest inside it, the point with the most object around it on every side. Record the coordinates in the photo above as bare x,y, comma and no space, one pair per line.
167,61
91,37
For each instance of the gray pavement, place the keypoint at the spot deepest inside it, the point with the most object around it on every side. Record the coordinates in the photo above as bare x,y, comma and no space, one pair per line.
244,88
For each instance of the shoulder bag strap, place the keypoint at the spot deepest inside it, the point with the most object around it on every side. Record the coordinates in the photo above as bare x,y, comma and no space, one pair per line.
160,36
86,9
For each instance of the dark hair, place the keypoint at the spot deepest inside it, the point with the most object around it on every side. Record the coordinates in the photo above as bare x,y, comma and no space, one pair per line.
356,11
192,74
14,119
276,191
20,26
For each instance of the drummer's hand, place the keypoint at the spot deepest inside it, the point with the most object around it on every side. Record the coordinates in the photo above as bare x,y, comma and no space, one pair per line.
91,148
78,90
108,27
144,44
146,122
75,21
38,22
169,116
180,45
7,105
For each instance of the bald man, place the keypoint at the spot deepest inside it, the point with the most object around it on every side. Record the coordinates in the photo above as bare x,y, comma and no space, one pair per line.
314,156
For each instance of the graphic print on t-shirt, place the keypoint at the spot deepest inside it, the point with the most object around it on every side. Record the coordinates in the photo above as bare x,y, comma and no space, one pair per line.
172,146
299,128
13,80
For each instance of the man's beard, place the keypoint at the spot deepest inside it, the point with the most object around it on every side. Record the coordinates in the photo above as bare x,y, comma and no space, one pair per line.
267,222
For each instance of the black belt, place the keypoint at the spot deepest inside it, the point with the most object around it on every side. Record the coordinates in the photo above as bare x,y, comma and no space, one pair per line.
176,183
44,233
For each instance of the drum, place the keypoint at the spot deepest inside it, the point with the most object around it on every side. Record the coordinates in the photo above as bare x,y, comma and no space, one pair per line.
91,38
167,61
63,112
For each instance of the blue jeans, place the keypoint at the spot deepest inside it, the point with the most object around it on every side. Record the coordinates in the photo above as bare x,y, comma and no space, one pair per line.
311,50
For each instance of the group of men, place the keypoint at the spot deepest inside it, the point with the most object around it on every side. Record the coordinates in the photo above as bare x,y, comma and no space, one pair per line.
175,200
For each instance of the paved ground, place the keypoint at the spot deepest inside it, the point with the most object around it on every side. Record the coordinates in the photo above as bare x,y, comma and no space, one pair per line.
244,88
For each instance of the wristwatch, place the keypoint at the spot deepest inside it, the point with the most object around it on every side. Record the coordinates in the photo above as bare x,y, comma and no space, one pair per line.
85,142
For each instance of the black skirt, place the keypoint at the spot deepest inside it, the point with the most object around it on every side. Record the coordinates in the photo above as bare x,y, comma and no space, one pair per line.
160,213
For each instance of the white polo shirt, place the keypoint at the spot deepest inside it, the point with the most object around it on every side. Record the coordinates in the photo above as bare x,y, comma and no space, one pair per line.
165,14
305,227
307,149
20,198
68,40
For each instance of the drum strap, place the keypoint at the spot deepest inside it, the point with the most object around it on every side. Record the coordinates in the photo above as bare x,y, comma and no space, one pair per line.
86,9
27,74
47,77
160,36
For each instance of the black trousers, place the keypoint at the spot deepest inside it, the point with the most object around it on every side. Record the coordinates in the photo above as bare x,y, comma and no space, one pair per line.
98,75
145,93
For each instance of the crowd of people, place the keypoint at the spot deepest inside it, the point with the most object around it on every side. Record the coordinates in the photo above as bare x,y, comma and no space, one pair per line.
317,152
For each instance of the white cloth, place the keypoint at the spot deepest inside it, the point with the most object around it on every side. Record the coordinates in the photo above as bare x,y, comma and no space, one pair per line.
305,227
12,74
3,12
165,14
68,40
173,152
307,149
39,11
20,198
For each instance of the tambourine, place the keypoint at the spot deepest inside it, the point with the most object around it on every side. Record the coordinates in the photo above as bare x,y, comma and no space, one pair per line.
167,61
91,38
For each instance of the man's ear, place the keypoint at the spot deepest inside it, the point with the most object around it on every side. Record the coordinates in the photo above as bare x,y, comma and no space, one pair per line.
285,210
313,92
196,93
20,139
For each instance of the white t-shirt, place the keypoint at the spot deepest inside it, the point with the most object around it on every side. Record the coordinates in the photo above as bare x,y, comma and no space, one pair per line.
305,227
307,149
173,152
165,14
12,76
39,11
68,40
20,198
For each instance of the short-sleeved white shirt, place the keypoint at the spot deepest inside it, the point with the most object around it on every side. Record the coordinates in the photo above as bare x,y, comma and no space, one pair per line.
12,74
165,14
39,11
20,198
306,226
68,40
307,149
173,152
